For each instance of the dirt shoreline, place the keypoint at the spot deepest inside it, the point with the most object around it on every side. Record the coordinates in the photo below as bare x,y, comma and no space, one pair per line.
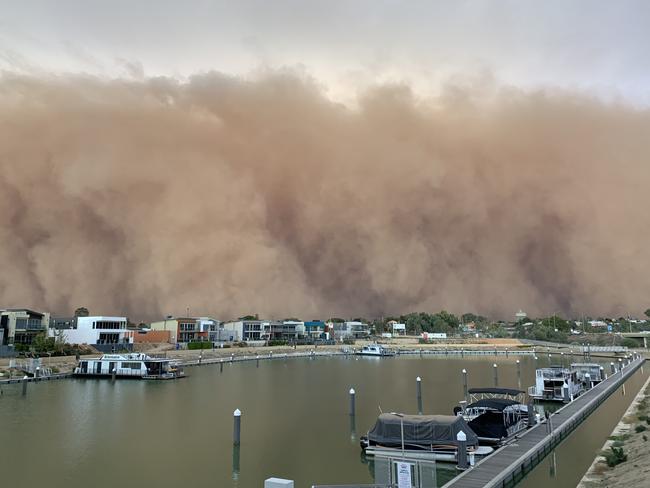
636,445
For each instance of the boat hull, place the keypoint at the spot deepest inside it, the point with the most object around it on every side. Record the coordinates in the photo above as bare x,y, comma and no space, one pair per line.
444,456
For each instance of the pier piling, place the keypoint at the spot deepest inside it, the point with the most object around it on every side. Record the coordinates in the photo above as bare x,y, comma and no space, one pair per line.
418,393
352,402
236,435
221,366
24,385
113,372
257,362
465,394
462,450
518,373
496,375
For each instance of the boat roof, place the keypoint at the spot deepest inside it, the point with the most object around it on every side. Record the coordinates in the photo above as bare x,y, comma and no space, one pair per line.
429,429
495,391
499,404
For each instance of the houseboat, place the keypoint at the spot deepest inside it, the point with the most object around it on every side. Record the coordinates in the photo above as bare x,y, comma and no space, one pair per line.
589,374
430,437
494,414
375,350
556,384
134,365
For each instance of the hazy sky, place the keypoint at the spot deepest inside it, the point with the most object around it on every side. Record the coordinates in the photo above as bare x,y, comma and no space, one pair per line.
596,46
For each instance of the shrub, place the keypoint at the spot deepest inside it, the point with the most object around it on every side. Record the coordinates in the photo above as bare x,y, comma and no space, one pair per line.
640,428
348,341
645,438
199,345
278,343
617,444
643,417
615,456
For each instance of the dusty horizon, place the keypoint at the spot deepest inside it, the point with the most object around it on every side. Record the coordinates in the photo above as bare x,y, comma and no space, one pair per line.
233,196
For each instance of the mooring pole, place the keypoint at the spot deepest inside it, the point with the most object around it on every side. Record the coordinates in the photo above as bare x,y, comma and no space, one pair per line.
496,375
24,385
221,366
612,367
462,450
352,401
236,434
418,393
519,373
465,394
113,375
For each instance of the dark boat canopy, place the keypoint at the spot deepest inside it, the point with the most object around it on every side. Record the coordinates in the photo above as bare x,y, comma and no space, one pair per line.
499,404
420,429
495,391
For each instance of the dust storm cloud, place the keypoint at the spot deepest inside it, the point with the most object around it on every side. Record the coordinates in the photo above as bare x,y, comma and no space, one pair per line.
234,196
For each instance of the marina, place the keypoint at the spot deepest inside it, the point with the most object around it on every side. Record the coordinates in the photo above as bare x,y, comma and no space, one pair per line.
510,464
259,385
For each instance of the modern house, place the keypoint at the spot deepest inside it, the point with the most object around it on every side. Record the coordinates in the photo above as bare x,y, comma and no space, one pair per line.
350,330
96,330
264,330
190,329
316,329
21,325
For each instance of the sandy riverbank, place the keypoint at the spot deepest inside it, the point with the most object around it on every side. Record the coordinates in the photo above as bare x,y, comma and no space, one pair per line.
632,434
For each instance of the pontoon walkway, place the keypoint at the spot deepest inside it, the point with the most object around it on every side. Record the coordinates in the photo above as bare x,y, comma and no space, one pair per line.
511,463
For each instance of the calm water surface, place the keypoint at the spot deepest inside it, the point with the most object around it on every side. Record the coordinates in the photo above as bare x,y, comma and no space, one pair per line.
295,424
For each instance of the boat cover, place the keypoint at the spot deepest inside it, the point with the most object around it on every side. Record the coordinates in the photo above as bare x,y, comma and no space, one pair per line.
495,391
499,404
421,430
489,425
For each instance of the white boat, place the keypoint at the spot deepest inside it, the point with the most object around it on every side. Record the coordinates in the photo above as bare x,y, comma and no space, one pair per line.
590,374
135,365
494,414
556,384
375,350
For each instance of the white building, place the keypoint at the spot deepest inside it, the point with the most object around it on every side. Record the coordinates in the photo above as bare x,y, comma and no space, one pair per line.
520,315
96,330
351,329
399,329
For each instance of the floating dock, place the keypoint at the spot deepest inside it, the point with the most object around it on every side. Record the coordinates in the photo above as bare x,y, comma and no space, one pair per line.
511,463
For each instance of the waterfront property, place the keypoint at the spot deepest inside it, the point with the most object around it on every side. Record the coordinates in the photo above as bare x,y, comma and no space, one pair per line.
190,329
96,330
21,325
349,330
264,330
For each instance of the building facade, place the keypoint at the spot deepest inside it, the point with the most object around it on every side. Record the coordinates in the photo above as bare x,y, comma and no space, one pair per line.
189,329
96,330
21,326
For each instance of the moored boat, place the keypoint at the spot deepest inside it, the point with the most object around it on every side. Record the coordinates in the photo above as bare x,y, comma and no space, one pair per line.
420,437
494,414
375,350
556,384
135,365
589,374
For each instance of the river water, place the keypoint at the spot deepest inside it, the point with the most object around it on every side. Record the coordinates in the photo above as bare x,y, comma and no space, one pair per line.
295,423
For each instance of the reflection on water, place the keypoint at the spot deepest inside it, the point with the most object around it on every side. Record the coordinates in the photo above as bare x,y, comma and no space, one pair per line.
295,422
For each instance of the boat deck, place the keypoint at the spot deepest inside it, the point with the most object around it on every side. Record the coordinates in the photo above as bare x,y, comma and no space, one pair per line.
511,463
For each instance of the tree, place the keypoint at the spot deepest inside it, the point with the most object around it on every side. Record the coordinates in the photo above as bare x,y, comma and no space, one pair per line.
556,322
81,312
249,317
647,313
337,320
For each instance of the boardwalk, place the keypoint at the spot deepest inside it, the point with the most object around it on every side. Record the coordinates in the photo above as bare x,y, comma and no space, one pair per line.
511,463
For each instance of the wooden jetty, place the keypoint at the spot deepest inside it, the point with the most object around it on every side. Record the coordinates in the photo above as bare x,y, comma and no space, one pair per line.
511,463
